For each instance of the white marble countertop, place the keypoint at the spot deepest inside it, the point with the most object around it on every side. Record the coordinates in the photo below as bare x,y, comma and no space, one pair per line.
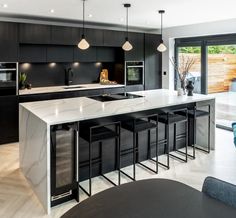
51,89
83,108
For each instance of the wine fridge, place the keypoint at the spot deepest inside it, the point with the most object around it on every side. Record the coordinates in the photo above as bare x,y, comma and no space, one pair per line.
64,163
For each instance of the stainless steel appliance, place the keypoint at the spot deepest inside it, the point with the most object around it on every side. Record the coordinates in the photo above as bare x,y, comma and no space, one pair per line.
134,73
8,79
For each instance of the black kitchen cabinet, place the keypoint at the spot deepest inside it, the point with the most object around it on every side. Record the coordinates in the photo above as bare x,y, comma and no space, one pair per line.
114,90
33,53
60,53
65,35
137,53
106,54
48,96
93,36
34,34
113,38
134,88
153,62
8,42
8,119
88,55
91,92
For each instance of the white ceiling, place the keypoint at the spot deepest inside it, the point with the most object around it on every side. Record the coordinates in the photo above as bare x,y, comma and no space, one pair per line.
143,13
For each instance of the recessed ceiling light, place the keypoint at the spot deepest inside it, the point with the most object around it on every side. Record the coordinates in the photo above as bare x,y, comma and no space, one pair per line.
5,5
122,19
52,11
90,15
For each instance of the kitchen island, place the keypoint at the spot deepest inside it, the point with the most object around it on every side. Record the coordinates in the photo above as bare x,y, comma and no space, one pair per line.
37,118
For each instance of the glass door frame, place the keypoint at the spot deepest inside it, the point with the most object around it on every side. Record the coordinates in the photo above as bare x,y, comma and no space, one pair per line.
203,42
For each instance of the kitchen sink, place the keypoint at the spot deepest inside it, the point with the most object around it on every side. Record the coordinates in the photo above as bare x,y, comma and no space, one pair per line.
74,87
115,97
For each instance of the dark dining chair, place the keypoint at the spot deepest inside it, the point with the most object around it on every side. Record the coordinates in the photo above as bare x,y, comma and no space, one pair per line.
220,190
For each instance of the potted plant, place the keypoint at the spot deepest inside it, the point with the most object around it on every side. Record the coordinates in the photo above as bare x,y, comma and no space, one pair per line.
22,80
183,68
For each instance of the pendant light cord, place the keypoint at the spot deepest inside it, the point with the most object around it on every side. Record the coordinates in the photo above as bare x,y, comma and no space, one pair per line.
161,23
83,14
127,22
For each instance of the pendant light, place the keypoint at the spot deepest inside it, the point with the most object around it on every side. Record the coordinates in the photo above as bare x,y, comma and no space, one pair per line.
83,44
161,47
127,45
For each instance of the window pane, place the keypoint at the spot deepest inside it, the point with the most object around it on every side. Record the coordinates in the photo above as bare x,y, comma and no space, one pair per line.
189,59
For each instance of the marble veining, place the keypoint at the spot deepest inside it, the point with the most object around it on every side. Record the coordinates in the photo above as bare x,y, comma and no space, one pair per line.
82,108
35,155
51,89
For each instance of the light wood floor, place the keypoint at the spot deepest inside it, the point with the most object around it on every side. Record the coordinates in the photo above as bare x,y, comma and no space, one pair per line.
18,201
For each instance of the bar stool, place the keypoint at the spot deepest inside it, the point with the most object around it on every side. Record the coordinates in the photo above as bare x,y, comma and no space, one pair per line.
137,124
92,132
169,118
195,114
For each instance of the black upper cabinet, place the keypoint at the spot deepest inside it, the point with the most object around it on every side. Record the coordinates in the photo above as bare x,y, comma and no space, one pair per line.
153,62
93,36
105,54
33,53
35,34
59,53
137,53
113,38
8,42
88,55
64,35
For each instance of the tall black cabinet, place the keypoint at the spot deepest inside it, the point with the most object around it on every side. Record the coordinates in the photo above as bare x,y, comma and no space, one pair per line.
153,62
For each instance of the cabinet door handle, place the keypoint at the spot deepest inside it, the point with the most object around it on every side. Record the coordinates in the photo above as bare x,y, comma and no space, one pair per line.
77,156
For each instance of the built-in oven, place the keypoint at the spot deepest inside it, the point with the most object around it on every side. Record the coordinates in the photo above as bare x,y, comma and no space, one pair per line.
8,79
134,73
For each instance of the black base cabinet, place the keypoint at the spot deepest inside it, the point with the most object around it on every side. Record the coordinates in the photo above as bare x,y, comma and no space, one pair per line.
64,163
8,119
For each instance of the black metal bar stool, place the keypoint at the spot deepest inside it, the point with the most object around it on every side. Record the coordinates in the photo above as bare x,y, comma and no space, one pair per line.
135,125
195,114
169,118
92,132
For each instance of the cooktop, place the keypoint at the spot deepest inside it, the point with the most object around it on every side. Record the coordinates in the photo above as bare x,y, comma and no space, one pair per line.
115,97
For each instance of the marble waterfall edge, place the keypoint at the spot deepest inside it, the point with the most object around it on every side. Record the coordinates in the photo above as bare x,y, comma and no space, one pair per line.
35,154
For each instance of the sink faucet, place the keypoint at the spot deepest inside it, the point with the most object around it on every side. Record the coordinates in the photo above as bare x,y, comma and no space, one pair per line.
68,76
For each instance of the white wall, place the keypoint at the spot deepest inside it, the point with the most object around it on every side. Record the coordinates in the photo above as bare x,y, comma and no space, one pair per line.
169,34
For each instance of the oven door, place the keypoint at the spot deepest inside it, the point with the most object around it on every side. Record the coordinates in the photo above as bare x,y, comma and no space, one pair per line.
134,75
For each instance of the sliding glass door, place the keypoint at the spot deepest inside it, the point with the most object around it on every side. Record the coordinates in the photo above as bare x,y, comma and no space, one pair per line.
221,70
213,71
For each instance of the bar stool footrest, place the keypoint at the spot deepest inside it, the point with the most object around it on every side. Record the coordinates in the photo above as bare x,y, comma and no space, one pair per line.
127,175
189,155
201,149
83,189
179,158
143,165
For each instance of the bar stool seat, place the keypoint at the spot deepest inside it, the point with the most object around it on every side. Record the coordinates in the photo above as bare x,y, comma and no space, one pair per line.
197,113
98,134
194,114
136,124
174,117
171,118
93,132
